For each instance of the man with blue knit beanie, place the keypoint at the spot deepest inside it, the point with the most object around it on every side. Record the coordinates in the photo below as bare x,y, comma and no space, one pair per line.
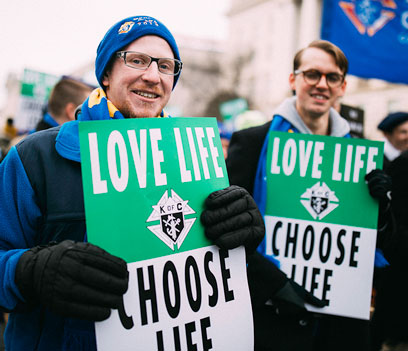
52,281
125,32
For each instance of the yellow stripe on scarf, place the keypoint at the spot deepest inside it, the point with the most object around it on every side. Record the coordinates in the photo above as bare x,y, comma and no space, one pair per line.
95,99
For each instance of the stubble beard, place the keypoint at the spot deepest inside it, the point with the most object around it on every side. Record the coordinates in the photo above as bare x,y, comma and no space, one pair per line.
142,112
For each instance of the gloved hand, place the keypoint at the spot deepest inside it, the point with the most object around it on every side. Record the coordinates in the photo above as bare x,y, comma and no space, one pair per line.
291,299
268,284
379,185
231,219
77,280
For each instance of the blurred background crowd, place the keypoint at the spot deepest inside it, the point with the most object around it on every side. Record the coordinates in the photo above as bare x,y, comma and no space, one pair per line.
242,76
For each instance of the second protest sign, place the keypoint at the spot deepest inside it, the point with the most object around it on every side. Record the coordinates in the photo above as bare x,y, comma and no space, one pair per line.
320,219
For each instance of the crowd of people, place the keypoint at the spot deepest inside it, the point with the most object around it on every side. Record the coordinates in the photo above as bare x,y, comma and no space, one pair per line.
42,219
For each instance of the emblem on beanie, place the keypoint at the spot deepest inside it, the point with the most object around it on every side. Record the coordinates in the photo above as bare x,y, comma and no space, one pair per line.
319,200
125,27
173,227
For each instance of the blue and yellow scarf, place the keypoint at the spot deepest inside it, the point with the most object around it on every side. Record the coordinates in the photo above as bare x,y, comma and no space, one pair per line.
96,107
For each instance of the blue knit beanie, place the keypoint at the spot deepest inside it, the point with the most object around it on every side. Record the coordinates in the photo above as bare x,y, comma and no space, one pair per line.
125,32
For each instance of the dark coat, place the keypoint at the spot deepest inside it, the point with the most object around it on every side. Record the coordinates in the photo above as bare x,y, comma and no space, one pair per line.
273,331
63,214
389,321
42,125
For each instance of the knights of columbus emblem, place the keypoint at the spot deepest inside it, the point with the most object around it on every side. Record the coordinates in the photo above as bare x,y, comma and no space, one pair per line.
369,16
125,27
173,227
319,200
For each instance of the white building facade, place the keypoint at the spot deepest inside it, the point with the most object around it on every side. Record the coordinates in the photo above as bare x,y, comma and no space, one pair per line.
265,35
254,62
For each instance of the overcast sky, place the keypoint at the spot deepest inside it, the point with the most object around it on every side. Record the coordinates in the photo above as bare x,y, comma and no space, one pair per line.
56,36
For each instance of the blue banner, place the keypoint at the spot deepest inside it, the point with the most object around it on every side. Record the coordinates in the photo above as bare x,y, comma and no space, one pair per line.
373,34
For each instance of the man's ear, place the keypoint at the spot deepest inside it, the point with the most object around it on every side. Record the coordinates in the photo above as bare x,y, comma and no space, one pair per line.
70,111
105,81
292,78
343,89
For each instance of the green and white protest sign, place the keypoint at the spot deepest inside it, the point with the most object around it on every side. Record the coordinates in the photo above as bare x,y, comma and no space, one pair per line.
320,219
230,110
145,182
35,90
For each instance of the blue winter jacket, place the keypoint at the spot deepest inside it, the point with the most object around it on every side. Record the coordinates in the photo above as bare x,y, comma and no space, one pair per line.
40,200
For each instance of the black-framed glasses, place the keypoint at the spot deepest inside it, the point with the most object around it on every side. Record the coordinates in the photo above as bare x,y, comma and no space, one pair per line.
313,76
142,61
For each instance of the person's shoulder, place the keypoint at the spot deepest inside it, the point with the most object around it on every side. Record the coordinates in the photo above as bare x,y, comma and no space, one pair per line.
42,125
38,139
253,131
404,155
399,166
41,134
246,145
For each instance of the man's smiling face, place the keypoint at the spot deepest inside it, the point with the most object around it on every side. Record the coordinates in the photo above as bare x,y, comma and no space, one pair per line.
140,93
314,101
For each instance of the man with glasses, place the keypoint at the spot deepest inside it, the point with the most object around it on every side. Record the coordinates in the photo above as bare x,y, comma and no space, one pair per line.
53,282
318,80
281,321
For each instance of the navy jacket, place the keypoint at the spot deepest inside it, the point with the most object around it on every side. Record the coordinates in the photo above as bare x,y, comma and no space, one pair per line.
41,200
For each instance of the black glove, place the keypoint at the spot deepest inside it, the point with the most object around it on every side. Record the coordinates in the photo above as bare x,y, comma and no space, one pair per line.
231,219
267,283
379,186
77,280
291,299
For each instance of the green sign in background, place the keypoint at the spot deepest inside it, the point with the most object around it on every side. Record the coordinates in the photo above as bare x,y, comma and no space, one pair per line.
232,108
116,220
37,85
356,206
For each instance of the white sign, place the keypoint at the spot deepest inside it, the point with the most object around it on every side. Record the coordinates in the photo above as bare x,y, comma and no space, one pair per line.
327,260
194,300
35,90
320,218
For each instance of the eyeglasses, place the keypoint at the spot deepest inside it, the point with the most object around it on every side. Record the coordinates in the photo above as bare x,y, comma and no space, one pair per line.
142,61
313,76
